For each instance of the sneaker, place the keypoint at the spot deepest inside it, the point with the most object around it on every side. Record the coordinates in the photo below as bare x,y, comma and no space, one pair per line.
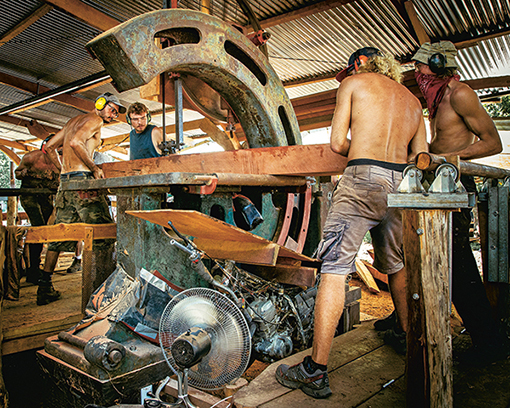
389,322
75,266
315,385
396,340
46,293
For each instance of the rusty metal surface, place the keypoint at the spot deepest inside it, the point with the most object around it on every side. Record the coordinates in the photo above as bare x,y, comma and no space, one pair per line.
167,179
211,50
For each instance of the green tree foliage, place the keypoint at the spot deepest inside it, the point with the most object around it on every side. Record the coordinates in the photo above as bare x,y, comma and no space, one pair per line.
499,110
5,178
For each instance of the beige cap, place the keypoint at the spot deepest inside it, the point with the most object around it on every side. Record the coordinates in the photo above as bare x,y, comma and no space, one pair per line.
442,47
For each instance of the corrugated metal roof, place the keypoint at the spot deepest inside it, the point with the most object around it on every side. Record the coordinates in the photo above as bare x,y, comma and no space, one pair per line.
322,43
52,51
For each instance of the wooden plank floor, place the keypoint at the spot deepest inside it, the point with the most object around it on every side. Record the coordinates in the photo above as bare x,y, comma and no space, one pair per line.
25,325
361,368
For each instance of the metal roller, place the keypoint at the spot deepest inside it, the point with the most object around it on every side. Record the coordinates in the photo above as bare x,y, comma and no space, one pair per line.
104,352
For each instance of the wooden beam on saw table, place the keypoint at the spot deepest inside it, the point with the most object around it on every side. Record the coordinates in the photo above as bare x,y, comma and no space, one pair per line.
313,160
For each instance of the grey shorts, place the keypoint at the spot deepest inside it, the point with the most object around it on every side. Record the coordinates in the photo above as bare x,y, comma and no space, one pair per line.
360,205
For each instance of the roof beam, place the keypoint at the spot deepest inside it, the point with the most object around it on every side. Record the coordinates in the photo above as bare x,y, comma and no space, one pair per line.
35,89
474,41
14,145
11,155
415,22
22,122
303,12
85,13
491,82
24,24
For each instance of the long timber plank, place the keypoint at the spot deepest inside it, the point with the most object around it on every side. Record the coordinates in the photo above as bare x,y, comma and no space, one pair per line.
346,348
283,160
353,383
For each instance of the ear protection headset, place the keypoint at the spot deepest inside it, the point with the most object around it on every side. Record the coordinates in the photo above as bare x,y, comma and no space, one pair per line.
437,63
101,102
359,61
362,58
149,117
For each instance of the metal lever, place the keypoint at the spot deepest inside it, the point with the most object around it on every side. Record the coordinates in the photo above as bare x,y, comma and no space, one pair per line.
186,240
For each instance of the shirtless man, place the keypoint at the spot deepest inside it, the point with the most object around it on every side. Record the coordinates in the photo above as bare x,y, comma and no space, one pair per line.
37,171
144,139
387,131
79,138
460,126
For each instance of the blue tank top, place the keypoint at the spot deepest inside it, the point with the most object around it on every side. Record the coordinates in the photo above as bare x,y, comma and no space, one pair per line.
140,144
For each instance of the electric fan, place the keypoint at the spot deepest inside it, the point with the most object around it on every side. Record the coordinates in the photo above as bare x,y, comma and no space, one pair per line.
205,340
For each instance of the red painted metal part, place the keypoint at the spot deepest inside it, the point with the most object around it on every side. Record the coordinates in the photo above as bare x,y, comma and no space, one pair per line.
303,213
305,218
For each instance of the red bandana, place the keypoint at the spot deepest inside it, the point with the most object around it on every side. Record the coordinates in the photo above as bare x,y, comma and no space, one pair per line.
433,89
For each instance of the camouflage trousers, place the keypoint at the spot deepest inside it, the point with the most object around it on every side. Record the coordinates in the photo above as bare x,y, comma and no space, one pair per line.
90,207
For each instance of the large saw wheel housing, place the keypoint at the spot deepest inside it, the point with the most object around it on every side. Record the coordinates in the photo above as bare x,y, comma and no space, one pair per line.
212,50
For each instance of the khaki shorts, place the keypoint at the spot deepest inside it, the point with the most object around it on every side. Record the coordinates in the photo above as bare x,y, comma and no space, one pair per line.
359,205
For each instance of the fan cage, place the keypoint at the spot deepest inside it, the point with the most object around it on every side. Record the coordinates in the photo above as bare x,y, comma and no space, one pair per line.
221,318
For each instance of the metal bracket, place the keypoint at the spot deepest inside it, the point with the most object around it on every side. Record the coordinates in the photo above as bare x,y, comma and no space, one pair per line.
446,179
411,183
445,192
208,188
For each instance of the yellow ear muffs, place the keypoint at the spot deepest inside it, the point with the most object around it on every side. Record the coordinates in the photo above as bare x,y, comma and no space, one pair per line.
101,103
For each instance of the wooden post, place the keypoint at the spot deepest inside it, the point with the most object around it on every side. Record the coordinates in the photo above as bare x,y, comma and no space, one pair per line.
12,210
427,237
87,278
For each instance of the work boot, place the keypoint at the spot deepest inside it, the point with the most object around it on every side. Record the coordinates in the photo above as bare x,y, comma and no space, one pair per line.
315,385
33,275
389,322
46,293
480,355
396,339
75,266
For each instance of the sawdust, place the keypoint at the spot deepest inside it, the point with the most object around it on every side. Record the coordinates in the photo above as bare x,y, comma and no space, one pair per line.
373,305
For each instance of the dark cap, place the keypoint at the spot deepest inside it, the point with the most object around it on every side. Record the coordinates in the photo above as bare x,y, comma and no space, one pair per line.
112,98
354,59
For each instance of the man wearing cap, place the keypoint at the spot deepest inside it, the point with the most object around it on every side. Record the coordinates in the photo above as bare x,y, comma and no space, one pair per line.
460,126
144,139
387,130
79,137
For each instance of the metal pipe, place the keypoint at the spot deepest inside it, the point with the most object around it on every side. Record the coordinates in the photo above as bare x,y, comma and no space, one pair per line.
427,161
163,117
179,121
73,86
72,339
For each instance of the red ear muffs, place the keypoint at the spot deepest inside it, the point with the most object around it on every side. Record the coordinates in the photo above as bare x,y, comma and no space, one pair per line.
360,61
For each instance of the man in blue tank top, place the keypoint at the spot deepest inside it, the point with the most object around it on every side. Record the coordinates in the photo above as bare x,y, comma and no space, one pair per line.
144,139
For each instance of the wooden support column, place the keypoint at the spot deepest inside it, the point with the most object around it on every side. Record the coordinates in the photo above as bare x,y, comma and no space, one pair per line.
427,237
12,210
86,286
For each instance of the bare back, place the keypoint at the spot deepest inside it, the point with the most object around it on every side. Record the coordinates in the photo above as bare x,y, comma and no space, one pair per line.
37,170
384,117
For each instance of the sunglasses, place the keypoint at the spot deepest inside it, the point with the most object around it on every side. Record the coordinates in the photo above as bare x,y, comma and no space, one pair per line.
114,111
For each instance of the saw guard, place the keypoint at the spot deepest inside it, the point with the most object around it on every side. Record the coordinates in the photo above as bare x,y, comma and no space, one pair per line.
211,50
